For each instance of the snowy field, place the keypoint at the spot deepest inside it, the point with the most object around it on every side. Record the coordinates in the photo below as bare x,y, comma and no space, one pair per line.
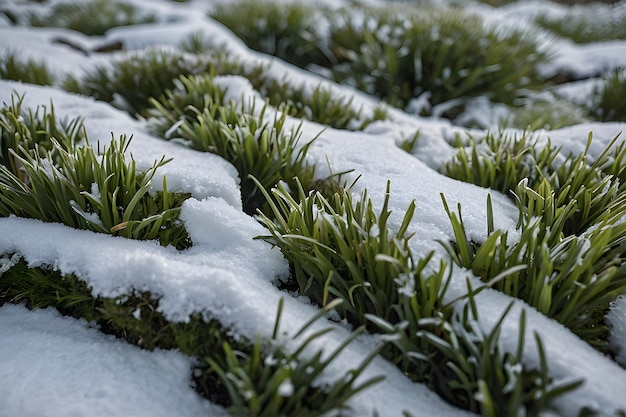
59,366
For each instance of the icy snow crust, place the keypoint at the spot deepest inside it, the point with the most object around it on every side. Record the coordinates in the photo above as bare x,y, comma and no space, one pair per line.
230,276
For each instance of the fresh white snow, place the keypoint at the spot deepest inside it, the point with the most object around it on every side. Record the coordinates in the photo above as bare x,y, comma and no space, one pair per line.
62,367
72,370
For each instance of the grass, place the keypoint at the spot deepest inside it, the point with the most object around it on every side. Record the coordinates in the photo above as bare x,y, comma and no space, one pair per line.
400,54
12,67
272,381
251,378
608,103
571,236
343,254
341,249
130,82
498,3
288,31
92,18
548,114
257,145
586,24
318,105
60,181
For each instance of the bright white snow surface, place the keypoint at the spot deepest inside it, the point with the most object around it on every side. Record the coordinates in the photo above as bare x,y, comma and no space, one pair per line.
59,366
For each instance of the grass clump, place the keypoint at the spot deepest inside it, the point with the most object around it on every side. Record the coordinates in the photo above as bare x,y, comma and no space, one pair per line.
131,82
198,43
93,17
59,181
341,249
256,145
572,239
395,54
546,114
319,237
608,102
251,378
586,24
288,31
467,367
32,130
444,54
27,71
270,381
500,162
318,105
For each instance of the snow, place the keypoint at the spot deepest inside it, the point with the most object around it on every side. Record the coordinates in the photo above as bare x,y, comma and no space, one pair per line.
62,367
617,320
230,276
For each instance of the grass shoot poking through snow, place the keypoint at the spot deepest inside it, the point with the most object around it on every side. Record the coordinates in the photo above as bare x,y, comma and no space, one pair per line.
396,54
269,381
572,236
340,249
59,181
130,82
257,145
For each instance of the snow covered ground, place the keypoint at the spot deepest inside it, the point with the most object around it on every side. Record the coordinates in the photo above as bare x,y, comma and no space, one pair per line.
72,370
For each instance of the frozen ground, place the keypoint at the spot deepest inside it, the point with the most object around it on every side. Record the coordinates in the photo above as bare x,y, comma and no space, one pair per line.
72,370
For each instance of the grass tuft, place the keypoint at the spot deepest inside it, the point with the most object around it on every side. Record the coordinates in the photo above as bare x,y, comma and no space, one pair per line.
271,381
392,53
587,24
12,67
548,114
318,105
288,31
92,18
608,102
341,249
257,145
132,81
58,181
572,238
